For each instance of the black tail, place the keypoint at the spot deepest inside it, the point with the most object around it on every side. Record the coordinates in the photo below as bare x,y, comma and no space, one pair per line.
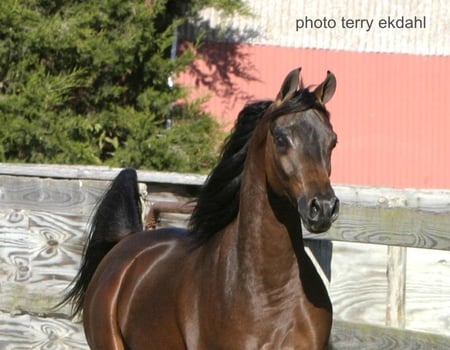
118,214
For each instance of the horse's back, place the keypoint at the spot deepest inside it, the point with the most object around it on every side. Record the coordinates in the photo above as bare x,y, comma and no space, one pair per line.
134,288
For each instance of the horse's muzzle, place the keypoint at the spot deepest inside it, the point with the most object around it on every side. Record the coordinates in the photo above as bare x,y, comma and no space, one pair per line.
318,214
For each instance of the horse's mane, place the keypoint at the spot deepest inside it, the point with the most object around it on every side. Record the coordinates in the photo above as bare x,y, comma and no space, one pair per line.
218,200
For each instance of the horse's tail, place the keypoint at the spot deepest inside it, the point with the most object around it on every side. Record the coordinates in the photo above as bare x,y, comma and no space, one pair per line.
118,214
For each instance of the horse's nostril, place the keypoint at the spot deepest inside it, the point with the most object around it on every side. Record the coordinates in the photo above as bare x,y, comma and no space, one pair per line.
334,208
314,209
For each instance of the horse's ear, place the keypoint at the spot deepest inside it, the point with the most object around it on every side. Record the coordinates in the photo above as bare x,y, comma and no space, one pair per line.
301,86
289,86
326,89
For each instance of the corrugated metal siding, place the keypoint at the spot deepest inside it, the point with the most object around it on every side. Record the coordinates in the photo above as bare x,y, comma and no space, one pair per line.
274,23
391,112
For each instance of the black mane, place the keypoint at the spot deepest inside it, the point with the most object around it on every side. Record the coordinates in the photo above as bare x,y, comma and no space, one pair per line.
218,200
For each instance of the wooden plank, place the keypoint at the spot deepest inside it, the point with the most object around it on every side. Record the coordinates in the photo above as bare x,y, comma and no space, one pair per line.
39,257
394,226
396,287
22,332
96,173
409,218
435,201
64,196
418,218
33,332
42,233
391,217
359,286
378,197
357,336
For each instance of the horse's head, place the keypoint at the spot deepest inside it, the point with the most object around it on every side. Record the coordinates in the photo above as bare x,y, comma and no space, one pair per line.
299,144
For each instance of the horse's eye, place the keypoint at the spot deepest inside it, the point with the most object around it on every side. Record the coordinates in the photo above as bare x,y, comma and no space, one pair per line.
281,140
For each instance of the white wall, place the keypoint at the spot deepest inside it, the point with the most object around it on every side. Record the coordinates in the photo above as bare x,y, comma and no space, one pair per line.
274,23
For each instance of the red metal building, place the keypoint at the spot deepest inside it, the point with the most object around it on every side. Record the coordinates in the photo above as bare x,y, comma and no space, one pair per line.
391,110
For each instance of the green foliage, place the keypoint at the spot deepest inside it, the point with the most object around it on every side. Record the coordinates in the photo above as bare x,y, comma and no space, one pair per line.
189,145
86,82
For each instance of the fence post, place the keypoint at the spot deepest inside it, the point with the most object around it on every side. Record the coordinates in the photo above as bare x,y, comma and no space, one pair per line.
396,286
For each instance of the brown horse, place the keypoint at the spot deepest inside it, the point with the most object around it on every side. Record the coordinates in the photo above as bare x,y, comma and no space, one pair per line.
239,277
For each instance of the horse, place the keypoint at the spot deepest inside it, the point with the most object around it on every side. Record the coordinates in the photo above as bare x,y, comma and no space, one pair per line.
238,277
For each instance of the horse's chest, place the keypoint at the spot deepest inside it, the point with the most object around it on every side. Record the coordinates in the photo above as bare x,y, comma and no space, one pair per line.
274,339
274,334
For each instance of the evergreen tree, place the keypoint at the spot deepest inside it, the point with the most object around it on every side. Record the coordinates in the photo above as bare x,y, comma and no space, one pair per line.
86,82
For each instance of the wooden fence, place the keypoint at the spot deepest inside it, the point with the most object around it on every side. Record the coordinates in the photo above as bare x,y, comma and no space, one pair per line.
388,292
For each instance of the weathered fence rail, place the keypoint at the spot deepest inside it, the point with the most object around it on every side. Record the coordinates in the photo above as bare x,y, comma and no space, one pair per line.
387,293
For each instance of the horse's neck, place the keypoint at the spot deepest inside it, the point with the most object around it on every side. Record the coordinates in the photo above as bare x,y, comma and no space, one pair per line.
263,249
262,241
